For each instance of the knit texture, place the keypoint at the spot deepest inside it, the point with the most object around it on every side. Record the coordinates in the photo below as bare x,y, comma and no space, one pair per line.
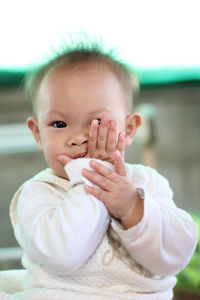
110,274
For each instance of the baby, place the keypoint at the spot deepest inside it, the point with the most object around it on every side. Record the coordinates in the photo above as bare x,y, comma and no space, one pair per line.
92,226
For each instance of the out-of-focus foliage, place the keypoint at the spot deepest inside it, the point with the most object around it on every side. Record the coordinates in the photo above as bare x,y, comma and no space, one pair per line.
189,278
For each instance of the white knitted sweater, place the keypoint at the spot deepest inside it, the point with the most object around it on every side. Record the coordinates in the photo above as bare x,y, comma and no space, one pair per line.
137,264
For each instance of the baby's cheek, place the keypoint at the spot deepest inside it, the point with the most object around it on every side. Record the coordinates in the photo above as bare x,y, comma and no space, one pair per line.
50,153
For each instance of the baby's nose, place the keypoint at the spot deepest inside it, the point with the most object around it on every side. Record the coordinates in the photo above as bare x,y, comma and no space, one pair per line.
78,139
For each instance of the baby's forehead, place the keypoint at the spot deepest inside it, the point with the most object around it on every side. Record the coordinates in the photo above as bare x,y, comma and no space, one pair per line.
97,69
90,75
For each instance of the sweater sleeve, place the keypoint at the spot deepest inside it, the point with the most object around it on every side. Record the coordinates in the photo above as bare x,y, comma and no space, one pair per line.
61,234
165,239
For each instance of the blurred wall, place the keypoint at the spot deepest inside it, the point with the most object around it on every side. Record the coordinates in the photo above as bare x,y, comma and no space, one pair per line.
176,150
177,147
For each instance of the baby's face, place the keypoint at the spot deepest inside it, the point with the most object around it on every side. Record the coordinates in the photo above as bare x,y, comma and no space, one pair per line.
68,100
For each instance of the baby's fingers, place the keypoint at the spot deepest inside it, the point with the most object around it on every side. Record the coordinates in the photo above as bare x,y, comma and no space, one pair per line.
92,142
121,144
102,135
106,173
64,159
111,140
120,167
98,193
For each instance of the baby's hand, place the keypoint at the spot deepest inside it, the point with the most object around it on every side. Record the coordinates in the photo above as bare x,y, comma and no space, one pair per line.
64,159
103,141
116,191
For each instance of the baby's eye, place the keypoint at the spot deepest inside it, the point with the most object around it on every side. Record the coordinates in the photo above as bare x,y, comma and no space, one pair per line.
59,124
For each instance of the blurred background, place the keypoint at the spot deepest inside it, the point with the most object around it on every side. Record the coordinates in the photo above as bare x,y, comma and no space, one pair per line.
160,39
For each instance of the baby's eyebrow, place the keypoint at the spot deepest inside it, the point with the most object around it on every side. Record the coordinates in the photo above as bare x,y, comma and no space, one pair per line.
99,111
96,113
56,112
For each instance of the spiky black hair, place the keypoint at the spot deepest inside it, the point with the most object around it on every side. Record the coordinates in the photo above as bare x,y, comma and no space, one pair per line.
83,51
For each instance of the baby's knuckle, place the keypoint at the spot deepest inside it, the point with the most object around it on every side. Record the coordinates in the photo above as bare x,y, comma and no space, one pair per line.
102,139
105,183
123,183
111,142
92,139
102,155
90,155
109,172
111,147
98,192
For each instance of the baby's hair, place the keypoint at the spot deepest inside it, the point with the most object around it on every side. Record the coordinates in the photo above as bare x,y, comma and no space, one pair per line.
86,52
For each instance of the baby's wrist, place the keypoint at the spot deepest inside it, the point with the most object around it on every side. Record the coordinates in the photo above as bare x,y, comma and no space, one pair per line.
135,214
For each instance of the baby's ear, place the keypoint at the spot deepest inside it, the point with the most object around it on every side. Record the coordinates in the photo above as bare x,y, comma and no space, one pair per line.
32,124
133,121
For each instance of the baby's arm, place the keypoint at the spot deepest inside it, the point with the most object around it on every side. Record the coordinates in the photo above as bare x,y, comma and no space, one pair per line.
157,234
166,237
61,231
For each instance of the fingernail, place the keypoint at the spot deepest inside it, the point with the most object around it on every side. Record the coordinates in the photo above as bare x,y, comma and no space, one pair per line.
93,163
95,122
84,171
113,124
104,120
